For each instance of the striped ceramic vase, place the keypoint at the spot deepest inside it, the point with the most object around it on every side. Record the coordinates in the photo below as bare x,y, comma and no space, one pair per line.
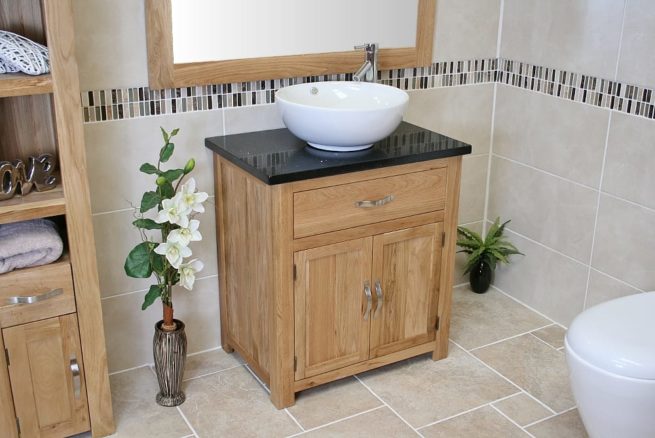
169,348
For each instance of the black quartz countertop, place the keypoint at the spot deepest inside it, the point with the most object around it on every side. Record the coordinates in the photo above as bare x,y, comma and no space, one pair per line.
277,156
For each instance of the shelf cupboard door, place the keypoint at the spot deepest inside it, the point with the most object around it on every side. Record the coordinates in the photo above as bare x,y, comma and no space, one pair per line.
332,306
406,268
7,415
47,377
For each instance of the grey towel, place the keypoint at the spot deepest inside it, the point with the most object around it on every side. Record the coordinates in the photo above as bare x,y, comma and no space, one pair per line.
29,243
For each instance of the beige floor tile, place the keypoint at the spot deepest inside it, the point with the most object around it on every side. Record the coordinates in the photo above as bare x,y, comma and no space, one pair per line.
485,422
233,403
534,366
210,362
423,391
479,319
552,335
522,409
326,403
378,423
135,410
567,425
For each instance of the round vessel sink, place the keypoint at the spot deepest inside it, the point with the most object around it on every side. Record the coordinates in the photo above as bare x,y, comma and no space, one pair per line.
341,116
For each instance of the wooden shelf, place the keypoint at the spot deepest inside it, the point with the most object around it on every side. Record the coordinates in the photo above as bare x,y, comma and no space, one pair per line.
32,206
18,84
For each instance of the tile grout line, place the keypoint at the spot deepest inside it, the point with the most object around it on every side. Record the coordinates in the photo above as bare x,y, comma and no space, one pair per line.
528,307
511,421
625,283
211,373
122,294
468,411
544,342
294,419
257,378
336,421
506,339
549,417
502,376
387,405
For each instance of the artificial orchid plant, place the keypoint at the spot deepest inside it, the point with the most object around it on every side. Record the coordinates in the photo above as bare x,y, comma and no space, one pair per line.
177,205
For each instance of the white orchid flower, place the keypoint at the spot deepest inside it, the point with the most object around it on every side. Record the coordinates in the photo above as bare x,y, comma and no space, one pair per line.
188,272
190,198
174,252
174,211
184,236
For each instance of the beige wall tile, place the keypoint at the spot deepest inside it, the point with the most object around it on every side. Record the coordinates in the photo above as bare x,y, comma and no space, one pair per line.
233,403
630,159
116,150
380,422
485,422
463,383
252,118
135,411
567,425
544,280
129,330
562,137
522,409
116,236
463,113
636,63
625,242
552,211
326,403
576,35
534,366
110,43
479,319
603,288
466,29
473,188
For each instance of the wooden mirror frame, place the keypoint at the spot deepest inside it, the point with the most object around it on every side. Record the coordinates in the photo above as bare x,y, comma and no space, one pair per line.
164,73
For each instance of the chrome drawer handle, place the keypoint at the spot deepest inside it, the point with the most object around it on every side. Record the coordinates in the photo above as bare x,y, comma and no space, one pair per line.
33,298
77,379
378,292
369,304
377,203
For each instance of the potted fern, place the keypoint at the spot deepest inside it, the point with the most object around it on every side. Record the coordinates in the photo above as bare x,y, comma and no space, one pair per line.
166,256
484,254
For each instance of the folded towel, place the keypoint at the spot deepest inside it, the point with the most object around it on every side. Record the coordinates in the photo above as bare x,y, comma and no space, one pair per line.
29,243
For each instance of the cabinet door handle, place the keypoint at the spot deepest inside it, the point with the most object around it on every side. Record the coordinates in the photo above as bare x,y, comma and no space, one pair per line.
378,292
77,378
369,299
376,203
33,298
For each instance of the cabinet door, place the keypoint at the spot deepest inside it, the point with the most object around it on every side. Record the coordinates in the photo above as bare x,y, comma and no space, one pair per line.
7,415
47,377
406,267
331,306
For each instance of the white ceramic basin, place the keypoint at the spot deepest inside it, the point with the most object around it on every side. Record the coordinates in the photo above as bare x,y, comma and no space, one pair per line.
341,116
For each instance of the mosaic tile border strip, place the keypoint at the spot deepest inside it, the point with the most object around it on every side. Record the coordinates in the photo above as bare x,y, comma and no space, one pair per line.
130,103
590,90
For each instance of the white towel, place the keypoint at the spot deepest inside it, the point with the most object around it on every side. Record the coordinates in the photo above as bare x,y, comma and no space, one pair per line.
29,243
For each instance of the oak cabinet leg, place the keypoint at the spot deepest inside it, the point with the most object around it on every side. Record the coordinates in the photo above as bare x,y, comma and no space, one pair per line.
281,398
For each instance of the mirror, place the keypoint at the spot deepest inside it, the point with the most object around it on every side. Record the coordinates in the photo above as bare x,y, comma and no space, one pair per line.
198,42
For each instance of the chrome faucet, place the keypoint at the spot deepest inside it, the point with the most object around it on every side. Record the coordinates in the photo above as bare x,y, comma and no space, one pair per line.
368,71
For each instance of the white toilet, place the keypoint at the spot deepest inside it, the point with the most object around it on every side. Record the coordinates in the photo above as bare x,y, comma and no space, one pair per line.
610,350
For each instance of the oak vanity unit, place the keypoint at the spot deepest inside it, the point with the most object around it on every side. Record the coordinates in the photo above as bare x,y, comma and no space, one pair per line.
334,263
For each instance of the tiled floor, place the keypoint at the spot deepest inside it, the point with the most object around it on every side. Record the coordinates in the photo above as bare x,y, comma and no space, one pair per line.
505,377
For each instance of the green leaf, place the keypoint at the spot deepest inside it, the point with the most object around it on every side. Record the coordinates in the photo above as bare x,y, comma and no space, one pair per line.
174,132
137,263
165,135
149,200
158,262
166,190
149,169
166,152
147,224
173,174
151,296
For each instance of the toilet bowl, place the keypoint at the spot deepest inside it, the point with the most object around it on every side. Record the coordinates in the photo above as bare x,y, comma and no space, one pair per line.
610,351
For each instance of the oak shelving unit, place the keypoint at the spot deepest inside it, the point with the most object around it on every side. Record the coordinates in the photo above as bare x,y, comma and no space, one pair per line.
53,373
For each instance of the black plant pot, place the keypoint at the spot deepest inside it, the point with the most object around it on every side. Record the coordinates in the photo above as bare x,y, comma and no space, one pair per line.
480,277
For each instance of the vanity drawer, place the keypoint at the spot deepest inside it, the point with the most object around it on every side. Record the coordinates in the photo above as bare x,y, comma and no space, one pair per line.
33,294
365,202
